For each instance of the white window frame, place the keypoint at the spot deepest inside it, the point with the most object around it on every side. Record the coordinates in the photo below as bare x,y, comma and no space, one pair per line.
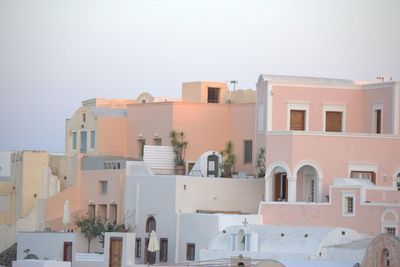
334,108
346,194
76,141
361,167
378,106
298,106
387,224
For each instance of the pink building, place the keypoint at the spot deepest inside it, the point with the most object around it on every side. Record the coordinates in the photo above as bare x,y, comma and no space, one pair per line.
315,130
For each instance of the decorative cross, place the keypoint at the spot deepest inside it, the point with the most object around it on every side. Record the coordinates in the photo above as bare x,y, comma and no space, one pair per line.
245,223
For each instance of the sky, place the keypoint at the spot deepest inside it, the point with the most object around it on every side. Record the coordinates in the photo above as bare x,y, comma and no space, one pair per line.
55,54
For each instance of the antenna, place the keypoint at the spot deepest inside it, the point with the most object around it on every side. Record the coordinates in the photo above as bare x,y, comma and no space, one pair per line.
234,82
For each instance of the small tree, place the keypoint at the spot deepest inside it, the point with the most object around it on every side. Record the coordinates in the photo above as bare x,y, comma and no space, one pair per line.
179,145
260,163
228,160
90,226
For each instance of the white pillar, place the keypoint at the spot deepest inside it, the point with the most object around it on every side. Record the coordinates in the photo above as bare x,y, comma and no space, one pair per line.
320,197
267,189
292,184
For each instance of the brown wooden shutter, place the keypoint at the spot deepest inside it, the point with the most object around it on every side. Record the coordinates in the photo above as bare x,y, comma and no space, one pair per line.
378,121
373,177
297,120
333,121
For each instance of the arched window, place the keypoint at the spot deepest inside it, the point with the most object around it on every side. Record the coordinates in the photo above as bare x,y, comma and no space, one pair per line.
150,224
398,181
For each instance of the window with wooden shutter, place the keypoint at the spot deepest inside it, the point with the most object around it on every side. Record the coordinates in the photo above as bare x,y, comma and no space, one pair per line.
333,121
297,120
378,115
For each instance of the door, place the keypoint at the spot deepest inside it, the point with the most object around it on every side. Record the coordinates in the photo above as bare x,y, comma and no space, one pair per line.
280,187
67,254
212,166
115,252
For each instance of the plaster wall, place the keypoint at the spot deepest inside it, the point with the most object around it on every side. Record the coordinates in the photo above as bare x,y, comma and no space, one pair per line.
333,153
111,136
91,194
218,194
197,92
243,128
328,214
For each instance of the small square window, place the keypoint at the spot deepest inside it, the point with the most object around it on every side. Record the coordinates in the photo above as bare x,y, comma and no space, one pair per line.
213,95
190,251
157,141
297,120
349,205
334,121
390,230
103,187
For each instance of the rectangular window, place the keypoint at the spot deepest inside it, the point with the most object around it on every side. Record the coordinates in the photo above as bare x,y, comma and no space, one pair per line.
102,212
163,249
83,117
4,203
92,139
92,210
103,187
390,230
248,151
297,120
157,141
213,95
83,141
333,122
364,175
74,140
112,217
141,144
378,120
190,251
349,205
138,248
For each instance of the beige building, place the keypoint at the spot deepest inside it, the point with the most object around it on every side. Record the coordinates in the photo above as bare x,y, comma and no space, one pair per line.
6,189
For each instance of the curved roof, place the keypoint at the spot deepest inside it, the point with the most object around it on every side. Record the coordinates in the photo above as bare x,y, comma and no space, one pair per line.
288,239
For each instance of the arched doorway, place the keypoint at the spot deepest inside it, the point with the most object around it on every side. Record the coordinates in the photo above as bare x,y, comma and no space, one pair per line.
309,178
277,184
150,224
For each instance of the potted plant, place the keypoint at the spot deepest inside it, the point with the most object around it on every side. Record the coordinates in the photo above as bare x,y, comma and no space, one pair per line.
179,144
228,160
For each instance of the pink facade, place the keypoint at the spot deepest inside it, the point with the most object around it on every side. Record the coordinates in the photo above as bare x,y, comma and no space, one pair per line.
206,127
315,130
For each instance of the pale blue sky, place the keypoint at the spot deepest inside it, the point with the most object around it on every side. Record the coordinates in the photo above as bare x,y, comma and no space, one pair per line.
54,54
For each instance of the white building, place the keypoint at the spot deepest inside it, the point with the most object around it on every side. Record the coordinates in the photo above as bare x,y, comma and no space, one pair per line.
287,244
185,211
